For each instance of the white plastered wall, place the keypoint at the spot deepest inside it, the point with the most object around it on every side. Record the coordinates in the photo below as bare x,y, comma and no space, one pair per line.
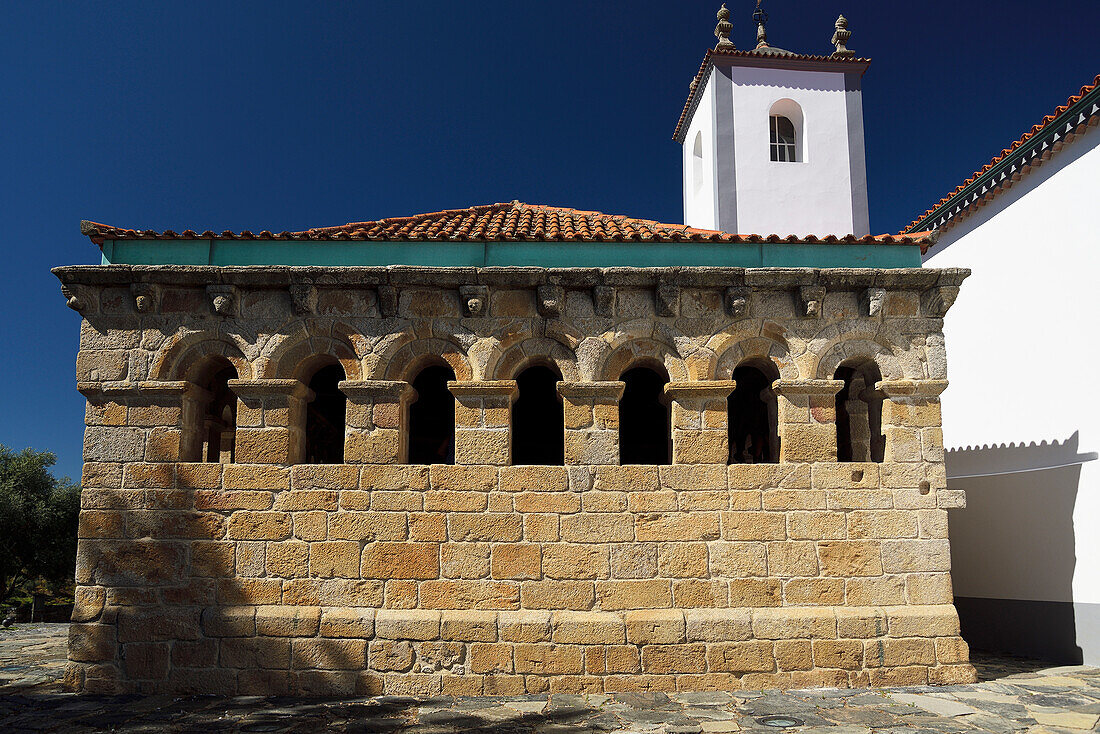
700,206
1022,353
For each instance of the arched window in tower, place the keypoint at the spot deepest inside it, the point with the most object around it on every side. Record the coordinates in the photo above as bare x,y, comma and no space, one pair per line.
754,416
538,422
325,417
786,132
432,417
697,163
210,429
859,413
645,433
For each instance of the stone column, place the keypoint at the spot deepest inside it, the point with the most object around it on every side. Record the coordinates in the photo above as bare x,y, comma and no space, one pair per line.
483,421
271,421
376,423
911,420
700,421
146,421
807,419
591,421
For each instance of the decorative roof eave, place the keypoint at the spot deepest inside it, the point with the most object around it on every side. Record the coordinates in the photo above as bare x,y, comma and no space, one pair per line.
760,59
1035,147
506,222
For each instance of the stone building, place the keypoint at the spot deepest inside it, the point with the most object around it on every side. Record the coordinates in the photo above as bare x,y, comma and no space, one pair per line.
514,448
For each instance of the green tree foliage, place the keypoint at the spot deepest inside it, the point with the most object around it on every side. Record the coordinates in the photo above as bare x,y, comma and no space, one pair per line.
38,519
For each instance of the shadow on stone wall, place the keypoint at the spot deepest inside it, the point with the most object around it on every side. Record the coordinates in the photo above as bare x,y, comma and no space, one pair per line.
1013,547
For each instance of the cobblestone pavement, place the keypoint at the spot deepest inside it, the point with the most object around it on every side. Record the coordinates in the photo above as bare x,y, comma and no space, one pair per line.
1015,696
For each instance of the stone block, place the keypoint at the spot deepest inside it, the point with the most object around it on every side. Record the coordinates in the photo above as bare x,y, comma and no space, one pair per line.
679,526
718,625
573,595
469,626
329,654
754,526
287,621
587,628
794,623
633,594
469,594
355,622
655,627
517,561
569,561
401,561
846,558
741,657
548,659
406,624
666,659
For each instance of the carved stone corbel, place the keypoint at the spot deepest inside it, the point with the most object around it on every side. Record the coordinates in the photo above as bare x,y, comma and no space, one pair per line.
937,301
812,298
603,300
475,300
551,300
146,297
224,299
875,298
737,301
304,296
72,300
387,300
667,299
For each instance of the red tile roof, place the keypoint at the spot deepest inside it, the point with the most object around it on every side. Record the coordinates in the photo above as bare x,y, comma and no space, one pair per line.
1052,122
768,55
512,221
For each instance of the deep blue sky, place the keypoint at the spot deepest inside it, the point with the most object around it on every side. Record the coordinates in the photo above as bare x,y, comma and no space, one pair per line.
289,115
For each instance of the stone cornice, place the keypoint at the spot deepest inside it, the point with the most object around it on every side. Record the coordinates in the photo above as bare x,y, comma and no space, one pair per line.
269,276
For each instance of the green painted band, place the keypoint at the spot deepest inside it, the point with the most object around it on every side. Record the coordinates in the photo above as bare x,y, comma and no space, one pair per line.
490,254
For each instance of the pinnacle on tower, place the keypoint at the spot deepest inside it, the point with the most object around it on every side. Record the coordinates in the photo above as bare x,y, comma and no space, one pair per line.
722,31
760,16
840,38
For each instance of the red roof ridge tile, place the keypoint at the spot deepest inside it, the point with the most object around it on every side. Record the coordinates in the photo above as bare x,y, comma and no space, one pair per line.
511,221
1035,129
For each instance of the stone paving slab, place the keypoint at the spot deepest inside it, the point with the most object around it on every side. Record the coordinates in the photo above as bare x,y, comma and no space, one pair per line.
1015,696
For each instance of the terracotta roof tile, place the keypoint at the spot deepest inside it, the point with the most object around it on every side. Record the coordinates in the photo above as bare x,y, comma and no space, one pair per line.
512,221
1054,120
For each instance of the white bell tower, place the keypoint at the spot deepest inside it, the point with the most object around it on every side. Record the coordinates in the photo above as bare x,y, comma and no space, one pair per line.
773,140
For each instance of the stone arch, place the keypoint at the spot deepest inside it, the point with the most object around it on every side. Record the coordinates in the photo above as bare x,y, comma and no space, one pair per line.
414,355
636,342
847,341
296,357
644,352
748,341
185,352
506,364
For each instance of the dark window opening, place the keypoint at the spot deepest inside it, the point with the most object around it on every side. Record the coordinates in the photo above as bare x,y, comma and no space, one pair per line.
783,140
219,421
859,414
644,427
753,419
432,418
325,417
538,421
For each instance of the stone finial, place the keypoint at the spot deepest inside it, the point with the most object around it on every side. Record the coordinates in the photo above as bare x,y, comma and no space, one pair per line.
760,16
722,31
840,38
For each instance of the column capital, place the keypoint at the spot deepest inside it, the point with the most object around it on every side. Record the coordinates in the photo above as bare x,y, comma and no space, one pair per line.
787,388
270,388
917,389
484,389
390,391
700,390
606,390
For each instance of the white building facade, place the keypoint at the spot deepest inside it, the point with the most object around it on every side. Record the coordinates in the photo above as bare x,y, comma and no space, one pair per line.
1021,418
773,143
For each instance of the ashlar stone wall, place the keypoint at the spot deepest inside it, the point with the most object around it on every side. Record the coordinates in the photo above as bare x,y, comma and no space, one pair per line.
267,575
